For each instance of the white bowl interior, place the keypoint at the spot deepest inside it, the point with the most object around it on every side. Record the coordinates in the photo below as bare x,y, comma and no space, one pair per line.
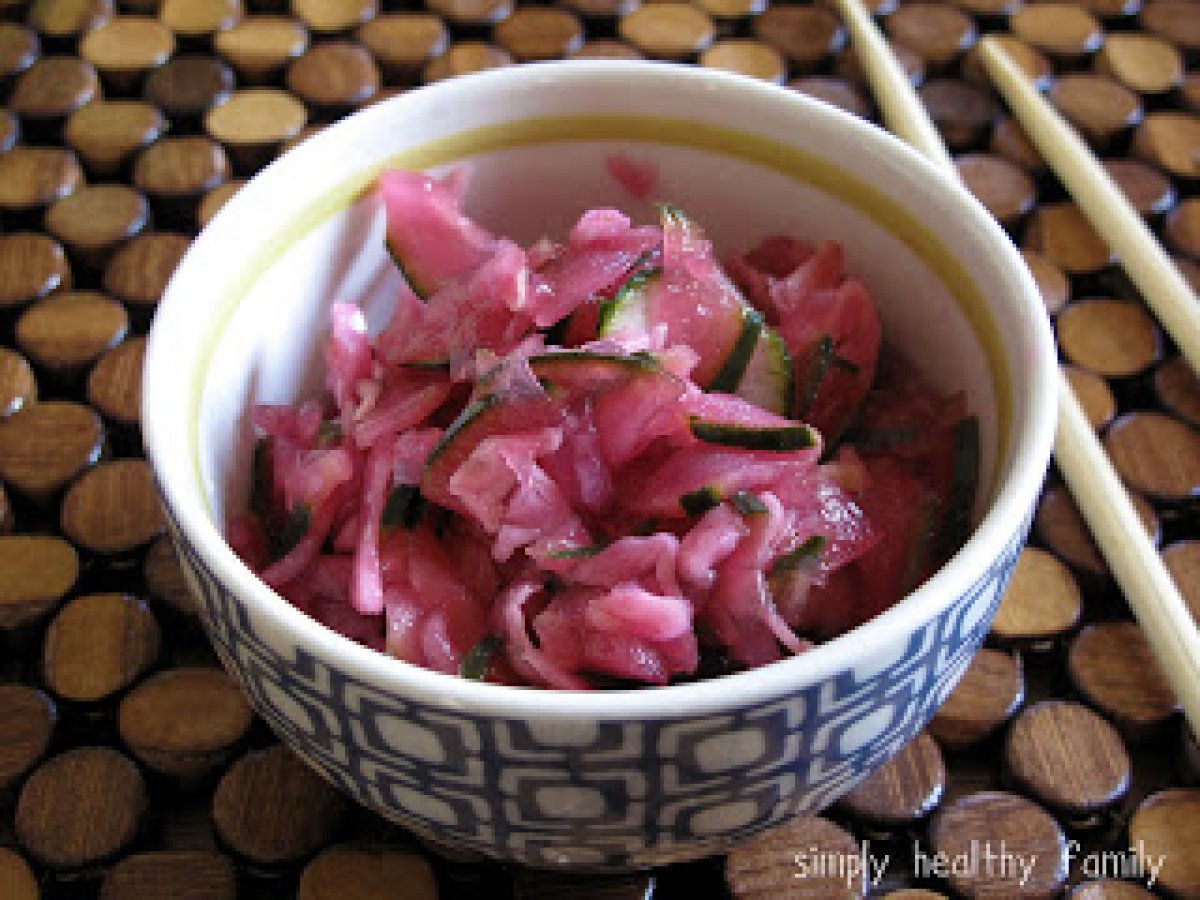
244,320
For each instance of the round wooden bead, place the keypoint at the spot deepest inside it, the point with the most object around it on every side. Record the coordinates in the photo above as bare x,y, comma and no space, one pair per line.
1097,106
746,57
212,202
937,32
806,35
905,789
334,16
94,219
1052,283
603,9
253,123
260,46
33,177
1094,395
138,273
1064,236
69,330
335,74
463,58
1068,757
1171,141
1183,562
1061,526
1178,389
603,48
184,721
1010,141
18,386
1112,666
1177,21
989,8
80,807
471,12
1166,827
19,49
126,47
1060,29
1020,827
47,444
1113,338
1156,454
1182,229
1189,90
989,692
836,92
180,874
114,386
1042,600
97,645
730,11
914,893
31,266
165,579
767,866
1141,62
1147,189
402,43
54,87
106,133
38,571
17,881
1030,61
199,18
26,724
1189,270
668,30
180,167
188,85
1109,890
10,130
112,508
539,33
367,874
7,523
963,112
1002,187
271,808
69,19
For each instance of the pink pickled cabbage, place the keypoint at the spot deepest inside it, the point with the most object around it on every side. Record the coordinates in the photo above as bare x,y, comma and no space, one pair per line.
489,488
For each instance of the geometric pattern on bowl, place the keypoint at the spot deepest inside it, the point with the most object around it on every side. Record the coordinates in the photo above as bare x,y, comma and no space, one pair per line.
599,795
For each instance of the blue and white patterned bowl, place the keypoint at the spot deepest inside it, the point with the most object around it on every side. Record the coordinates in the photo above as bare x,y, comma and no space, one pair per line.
605,780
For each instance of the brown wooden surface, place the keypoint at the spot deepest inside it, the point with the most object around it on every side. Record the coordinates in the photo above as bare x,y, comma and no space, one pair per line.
146,95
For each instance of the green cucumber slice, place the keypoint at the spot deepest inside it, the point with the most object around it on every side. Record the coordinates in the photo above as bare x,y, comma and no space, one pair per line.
818,368
475,664
964,481
810,550
748,504
627,310
700,501
781,439
768,381
729,376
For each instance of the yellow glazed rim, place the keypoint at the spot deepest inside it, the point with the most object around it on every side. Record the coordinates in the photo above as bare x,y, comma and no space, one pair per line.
796,164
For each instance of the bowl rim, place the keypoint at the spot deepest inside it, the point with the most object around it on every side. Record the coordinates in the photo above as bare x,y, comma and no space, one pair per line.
1004,518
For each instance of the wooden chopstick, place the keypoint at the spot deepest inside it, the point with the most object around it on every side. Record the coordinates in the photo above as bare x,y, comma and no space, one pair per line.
1157,279
902,110
1085,467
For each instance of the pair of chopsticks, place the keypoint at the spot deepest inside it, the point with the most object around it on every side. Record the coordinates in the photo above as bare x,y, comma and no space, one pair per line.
1097,489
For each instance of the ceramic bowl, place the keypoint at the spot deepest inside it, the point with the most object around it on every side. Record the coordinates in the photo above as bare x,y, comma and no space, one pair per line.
601,780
